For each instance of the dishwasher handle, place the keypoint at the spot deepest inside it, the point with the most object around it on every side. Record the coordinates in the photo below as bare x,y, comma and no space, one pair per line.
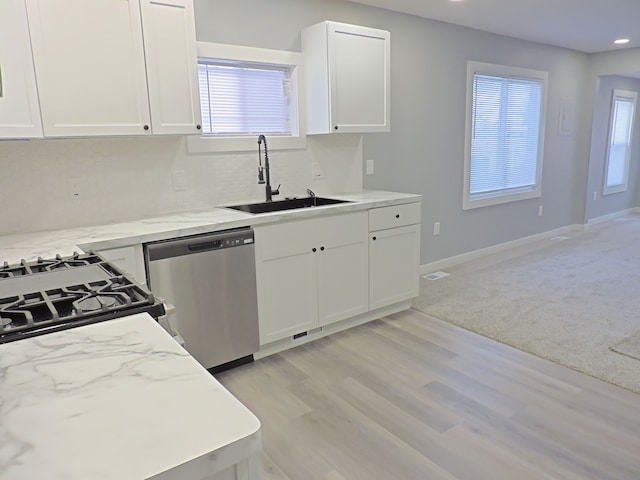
203,246
177,247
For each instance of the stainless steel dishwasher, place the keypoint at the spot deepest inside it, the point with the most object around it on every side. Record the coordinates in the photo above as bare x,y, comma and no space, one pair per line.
211,281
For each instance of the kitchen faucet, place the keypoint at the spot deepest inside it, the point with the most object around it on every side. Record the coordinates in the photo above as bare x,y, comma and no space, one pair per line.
312,194
269,192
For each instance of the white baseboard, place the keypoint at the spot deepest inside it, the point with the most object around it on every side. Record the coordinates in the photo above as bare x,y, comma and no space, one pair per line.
483,252
611,216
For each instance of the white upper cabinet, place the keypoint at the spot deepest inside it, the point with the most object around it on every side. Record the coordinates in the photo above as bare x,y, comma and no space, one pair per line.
89,61
172,66
19,109
90,66
348,78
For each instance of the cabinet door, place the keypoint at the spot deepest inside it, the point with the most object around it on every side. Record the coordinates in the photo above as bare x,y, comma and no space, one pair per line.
343,275
359,66
129,259
89,62
172,66
287,296
343,267
19,109
286,279
394,257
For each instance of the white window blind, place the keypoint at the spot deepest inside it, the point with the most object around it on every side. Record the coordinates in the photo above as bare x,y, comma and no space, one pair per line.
504,158
244,99
619,146
506,127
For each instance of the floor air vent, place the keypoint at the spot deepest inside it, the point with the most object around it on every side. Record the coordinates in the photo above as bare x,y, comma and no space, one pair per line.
435,275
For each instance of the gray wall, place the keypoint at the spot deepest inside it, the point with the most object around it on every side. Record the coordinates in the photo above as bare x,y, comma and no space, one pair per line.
424,153
616,63
604,205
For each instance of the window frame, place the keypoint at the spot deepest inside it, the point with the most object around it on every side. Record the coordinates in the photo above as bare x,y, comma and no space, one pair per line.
507,195
246,143
624,95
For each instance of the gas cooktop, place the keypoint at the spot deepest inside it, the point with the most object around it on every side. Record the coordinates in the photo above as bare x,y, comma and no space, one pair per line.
48,295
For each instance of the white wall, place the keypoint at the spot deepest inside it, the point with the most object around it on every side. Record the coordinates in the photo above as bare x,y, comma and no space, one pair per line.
132,177
54,184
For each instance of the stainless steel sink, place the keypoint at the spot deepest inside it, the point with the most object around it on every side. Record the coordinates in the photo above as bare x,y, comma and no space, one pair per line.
288,204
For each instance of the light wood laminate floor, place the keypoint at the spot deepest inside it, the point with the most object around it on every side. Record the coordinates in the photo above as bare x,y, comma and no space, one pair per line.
412,397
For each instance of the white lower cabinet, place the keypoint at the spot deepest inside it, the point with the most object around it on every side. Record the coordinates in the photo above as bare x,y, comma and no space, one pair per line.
311,273
130,259
393,263
394,254
287,294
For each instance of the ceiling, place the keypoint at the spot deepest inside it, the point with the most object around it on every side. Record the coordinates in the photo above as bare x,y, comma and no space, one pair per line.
585,25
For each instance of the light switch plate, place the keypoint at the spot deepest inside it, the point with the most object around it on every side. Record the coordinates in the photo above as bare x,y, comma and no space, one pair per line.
369,167
179,181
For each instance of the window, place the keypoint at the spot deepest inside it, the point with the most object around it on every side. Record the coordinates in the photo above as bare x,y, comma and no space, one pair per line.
244,99
623,106
504,134
245,92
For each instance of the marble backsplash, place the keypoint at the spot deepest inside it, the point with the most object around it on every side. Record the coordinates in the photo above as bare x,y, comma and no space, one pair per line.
66,183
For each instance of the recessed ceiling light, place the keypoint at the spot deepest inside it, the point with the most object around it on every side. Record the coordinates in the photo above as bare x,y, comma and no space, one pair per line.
622,41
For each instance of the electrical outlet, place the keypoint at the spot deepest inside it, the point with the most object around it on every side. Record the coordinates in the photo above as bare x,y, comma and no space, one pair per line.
369,167
316,171
74,186
539,210
436,228
595,195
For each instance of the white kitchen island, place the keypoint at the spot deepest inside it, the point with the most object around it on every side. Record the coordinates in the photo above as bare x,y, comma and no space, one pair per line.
120,400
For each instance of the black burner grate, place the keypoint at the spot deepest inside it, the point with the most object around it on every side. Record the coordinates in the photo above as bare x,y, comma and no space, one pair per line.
104,292
48,265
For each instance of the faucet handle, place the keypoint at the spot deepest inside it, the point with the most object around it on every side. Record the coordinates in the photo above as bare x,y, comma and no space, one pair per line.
276,191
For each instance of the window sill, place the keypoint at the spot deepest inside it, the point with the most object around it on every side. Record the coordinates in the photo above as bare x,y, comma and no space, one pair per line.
205,144
614,189
477,201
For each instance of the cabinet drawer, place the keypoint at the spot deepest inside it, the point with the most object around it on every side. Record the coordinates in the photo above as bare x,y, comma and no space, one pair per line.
394,216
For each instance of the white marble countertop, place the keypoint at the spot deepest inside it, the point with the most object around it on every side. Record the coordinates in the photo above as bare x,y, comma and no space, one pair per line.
14,248
119,400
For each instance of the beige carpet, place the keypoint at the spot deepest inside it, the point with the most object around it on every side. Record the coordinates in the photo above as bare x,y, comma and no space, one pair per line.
630,346
565,300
